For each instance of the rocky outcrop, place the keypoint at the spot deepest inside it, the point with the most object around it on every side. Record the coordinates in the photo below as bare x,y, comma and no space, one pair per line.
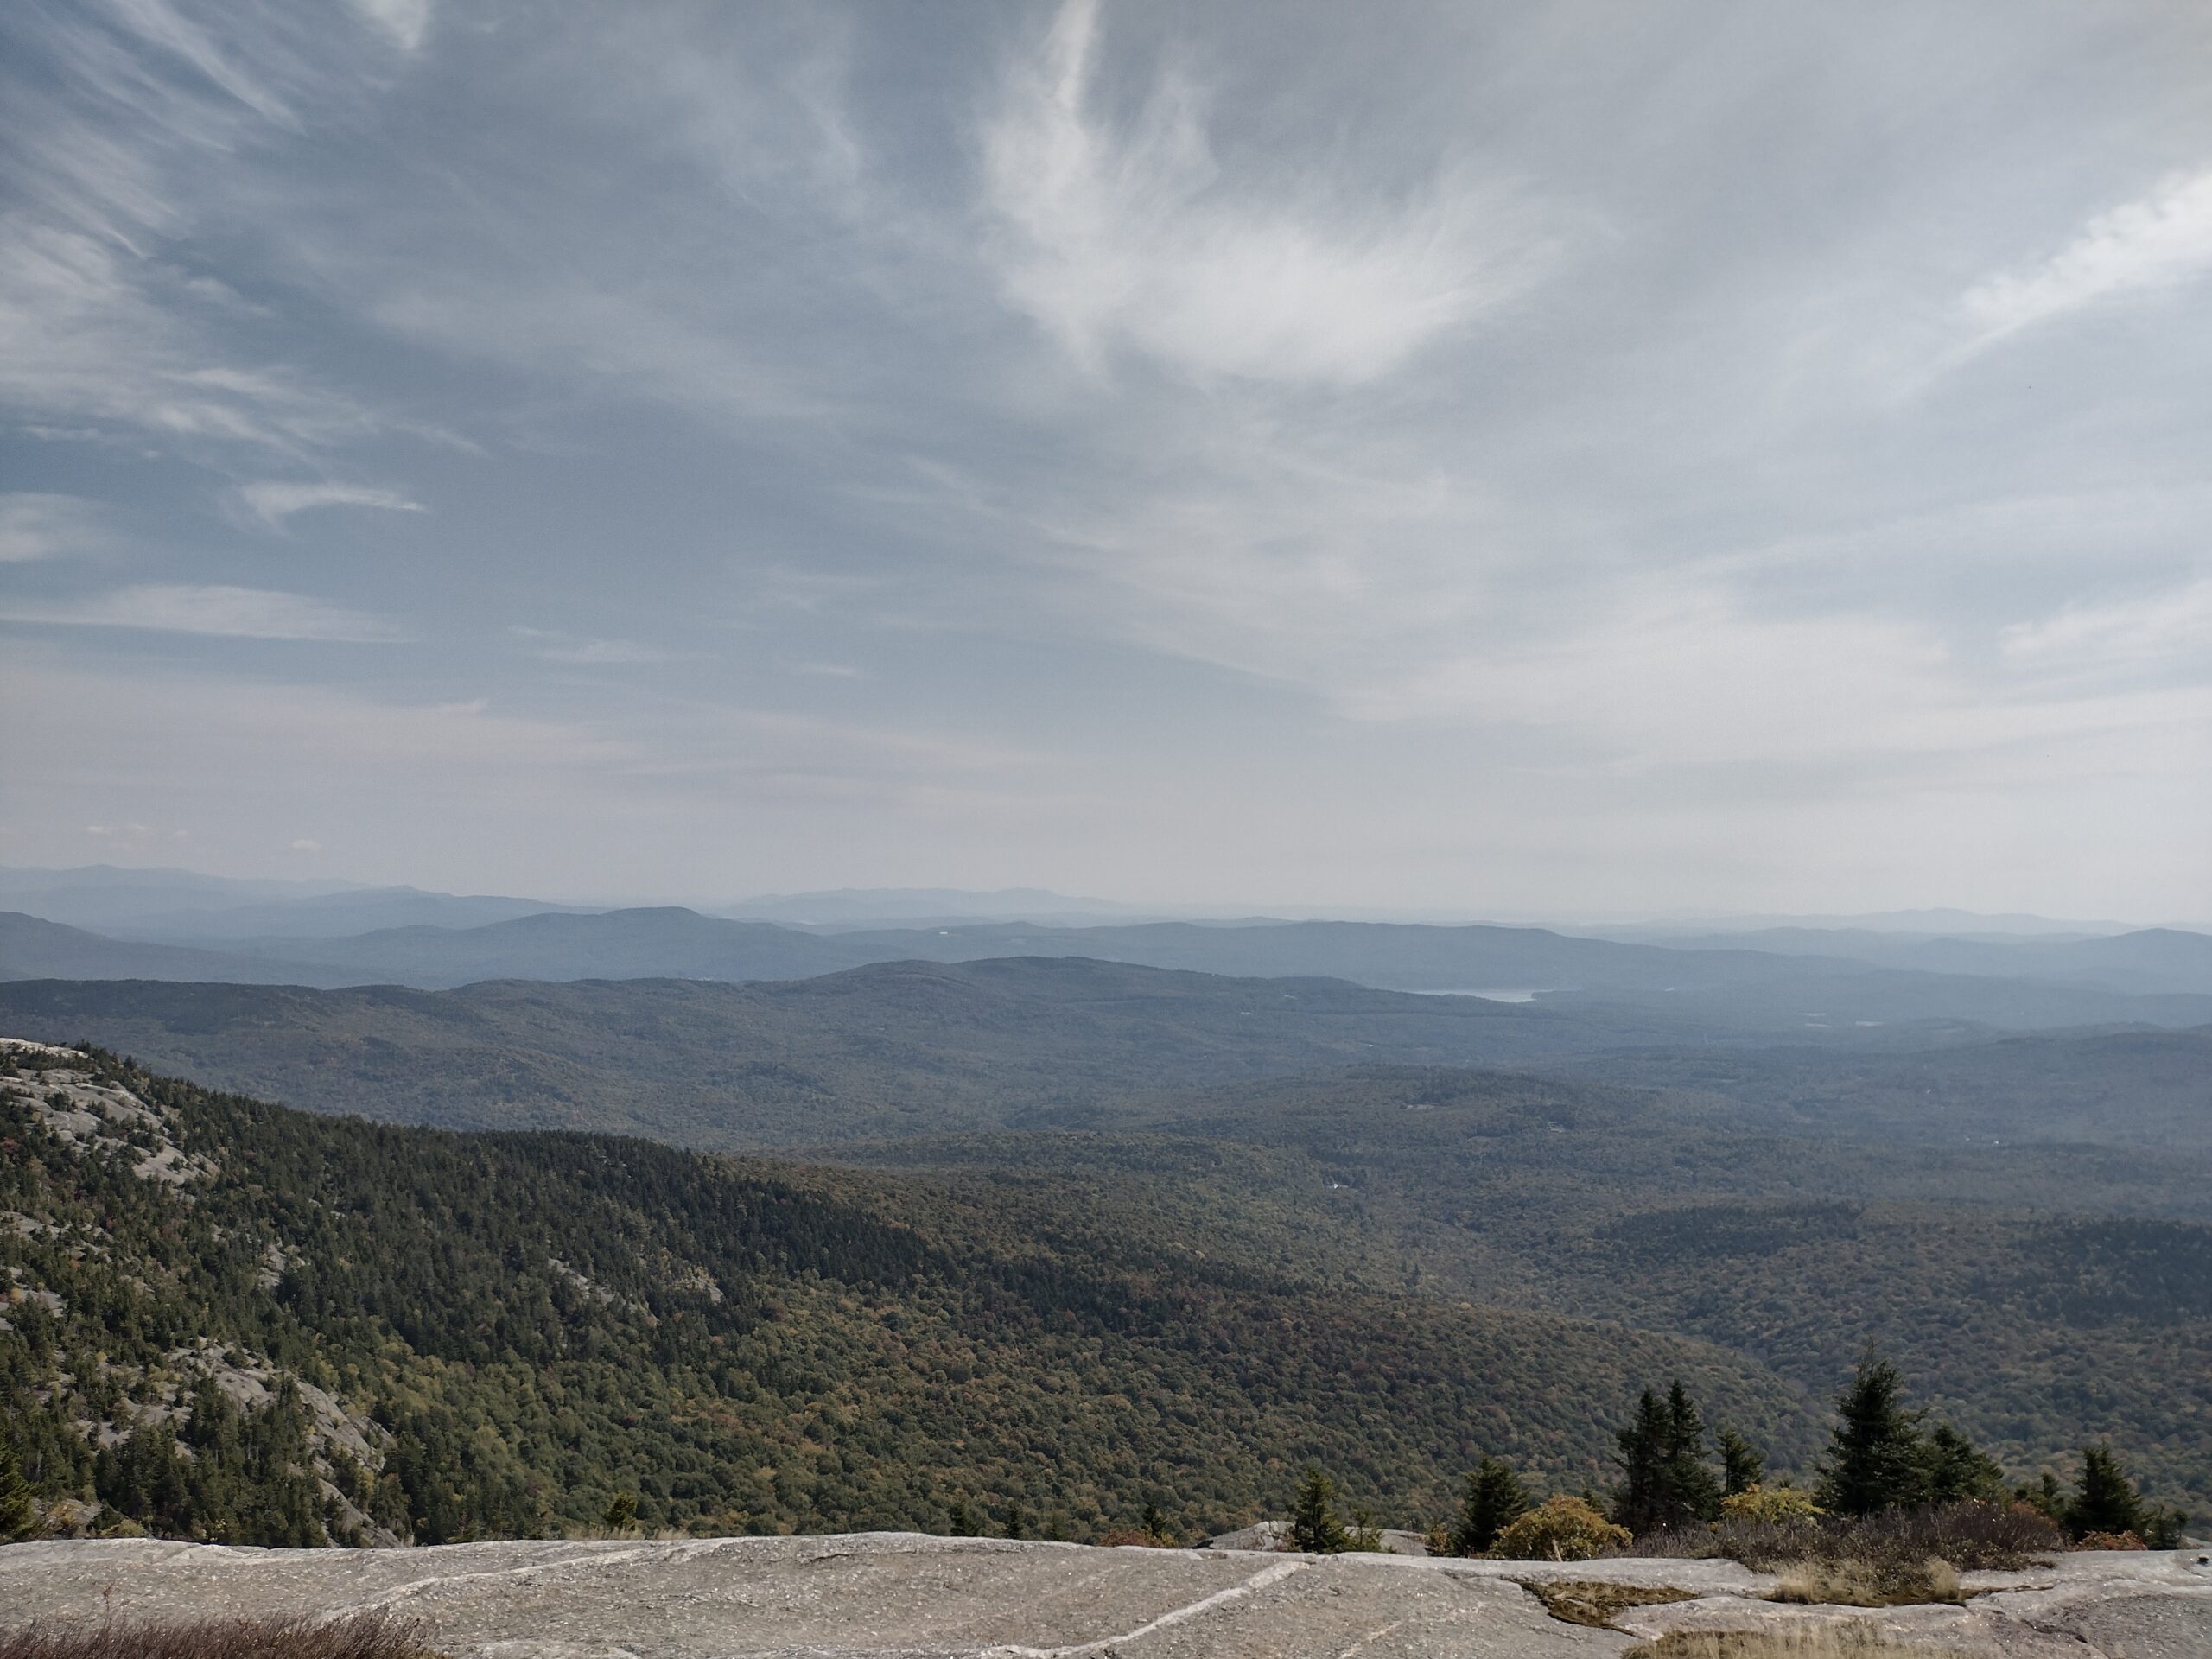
902,1596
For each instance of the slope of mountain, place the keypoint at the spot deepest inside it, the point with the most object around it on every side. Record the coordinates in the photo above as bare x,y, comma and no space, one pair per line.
2037,1295
31,948
445,1336
913,1047
339,915
2151,1089
637,943
105,895
891,1048
2147,961
850,907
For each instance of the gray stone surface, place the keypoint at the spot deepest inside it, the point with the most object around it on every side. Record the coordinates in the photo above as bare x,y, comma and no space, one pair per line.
901,1596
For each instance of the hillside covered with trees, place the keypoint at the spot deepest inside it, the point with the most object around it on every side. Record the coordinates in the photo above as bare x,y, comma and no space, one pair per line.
227,1318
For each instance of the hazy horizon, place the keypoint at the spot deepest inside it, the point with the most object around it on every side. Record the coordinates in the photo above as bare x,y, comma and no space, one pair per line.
1519,461
1064,908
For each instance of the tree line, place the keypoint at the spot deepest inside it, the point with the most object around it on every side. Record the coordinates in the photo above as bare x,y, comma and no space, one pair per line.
1882,1456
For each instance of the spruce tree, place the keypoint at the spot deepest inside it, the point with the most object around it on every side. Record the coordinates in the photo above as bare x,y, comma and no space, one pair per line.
1741,1466
1495,1499
2105,1499
1876,1460
1313,1523
1017,1522
1643,1458
1958,1470
1692,1493
18,1519
1665,1482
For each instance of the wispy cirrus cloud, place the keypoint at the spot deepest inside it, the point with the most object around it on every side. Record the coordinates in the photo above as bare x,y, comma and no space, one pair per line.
1131,236
2159,241
120,116
273,502
552,645
404,23
88,331
214,609
37,525
2176,624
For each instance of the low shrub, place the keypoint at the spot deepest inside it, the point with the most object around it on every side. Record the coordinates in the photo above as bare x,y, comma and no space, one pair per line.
2110,1540
1561,1529
363,1636
1769,1504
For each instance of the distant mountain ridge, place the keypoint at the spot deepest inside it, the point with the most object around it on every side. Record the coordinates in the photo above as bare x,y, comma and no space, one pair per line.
846,907
1714,990
2148,961
907,1048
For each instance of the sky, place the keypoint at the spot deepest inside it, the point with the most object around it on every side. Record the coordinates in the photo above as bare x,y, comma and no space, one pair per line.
1511,459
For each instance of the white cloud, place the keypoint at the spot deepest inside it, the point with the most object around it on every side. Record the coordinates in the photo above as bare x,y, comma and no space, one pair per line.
122,139
404,22
160,24
274,502
551,645
1676,676
2159,242
2175,624
39,526
230,613
1133,237
88,332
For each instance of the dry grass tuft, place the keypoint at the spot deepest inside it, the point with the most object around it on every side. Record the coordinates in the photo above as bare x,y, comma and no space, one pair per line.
1853,1641
1595,1601
1860,1583
362,1635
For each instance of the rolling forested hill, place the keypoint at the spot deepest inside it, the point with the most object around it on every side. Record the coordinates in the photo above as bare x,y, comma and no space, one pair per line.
2040,1294
897,1048
1695,992
922,1048
227,1318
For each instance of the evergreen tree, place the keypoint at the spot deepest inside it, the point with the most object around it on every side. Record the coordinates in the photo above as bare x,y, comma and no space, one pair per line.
17,1518
1155,1524
2105,1499
1017,1522
1665,1482
1313,1523
1742,1466
2044,1495
1643,1459
1495,1499
1876,1459
2162,1527
958,1521
1692,1492
1958,1470
1363,1535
